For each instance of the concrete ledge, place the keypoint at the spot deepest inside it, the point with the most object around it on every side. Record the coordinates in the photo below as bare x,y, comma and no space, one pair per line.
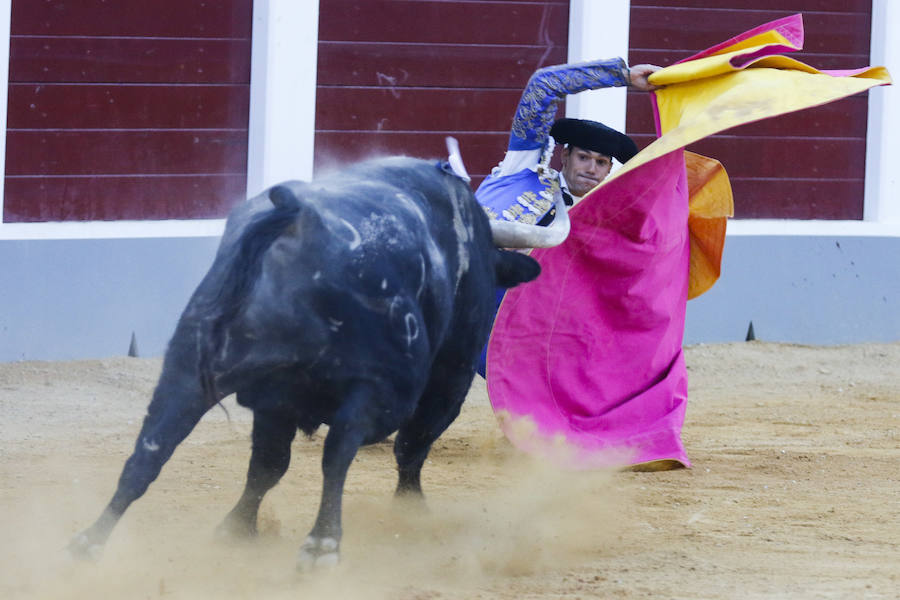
808,289
64,299
779,227
71,299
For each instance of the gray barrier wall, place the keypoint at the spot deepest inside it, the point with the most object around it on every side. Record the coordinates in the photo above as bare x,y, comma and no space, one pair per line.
802,289
69,299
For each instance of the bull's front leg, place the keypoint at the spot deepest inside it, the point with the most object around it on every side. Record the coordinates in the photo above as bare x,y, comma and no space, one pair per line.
355,423
439,406
171,416
272,435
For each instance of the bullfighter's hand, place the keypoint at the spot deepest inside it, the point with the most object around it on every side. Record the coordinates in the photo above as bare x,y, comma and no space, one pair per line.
639,74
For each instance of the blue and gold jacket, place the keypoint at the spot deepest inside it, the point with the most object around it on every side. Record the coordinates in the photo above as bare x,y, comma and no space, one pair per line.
523,186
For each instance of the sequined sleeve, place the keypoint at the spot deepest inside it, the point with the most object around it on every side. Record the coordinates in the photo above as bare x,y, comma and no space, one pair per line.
537,107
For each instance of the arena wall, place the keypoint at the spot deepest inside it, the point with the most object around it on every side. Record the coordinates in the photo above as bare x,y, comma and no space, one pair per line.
79,290
68,299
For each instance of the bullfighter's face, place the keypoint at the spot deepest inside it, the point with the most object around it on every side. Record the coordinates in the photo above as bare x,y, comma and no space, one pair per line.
584,169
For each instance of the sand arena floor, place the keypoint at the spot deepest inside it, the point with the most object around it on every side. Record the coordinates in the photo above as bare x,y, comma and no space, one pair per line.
795,493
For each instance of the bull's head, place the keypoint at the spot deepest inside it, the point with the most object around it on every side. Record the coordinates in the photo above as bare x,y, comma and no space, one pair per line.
512,234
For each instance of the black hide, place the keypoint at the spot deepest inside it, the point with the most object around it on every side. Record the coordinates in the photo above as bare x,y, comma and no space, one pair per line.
362,301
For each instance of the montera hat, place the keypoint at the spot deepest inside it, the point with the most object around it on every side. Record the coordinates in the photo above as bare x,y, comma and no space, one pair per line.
594,136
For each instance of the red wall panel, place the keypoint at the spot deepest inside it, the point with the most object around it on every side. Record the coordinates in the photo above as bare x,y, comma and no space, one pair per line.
447,109
396,76
804,6
105,152
69,198
117,108
807,165
690,30
334,148
343,63
106,106
497,23
797,198
129,60
159,18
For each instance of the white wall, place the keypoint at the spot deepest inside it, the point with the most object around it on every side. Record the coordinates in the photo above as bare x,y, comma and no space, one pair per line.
282,92
883,142
586,19
78,290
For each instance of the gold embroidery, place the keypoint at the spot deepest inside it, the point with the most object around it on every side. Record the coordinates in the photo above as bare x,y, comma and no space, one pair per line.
530,205
513,212
527,199
549,85
529,219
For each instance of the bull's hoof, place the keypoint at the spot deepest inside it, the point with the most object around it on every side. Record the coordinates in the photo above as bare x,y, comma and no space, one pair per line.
410,503
82,548
235,529
317,553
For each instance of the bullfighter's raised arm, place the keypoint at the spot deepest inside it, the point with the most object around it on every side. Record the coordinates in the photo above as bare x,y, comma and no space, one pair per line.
548,86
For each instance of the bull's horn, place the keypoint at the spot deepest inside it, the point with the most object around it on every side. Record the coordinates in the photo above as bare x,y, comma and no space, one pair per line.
455,159
512,234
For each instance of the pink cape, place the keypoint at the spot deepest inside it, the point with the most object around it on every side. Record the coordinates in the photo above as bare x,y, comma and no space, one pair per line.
606,312
585,365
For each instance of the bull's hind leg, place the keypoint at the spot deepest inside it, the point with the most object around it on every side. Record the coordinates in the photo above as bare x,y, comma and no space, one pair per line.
273,432
172,414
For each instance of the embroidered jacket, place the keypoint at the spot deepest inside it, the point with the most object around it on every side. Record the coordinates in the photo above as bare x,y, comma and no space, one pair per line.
523,186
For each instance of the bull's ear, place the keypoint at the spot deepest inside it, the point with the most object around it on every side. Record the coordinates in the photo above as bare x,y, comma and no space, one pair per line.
444,166
513,268
283,197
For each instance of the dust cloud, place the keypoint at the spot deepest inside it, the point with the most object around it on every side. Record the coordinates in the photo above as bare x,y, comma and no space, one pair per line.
793,494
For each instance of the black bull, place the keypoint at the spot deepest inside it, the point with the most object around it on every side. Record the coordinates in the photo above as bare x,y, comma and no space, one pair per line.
360,301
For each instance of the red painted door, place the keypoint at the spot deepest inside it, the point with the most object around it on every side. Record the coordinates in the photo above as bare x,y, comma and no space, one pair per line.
127,110
807,165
